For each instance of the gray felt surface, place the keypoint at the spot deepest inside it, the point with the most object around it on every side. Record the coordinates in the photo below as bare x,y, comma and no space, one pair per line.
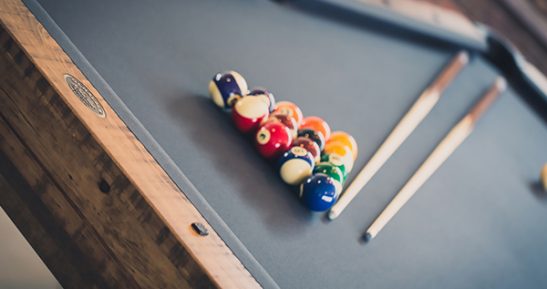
477,223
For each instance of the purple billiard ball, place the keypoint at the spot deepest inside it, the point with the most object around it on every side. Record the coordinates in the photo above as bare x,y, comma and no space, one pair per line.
226,88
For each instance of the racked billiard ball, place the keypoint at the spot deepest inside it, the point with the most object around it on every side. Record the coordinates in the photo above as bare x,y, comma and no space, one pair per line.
273,139
336,161
248,113
265,95
290,109
332,171
226,88
310,146
315,136
288,121
346,139
295,165
316,123
318,193
342,150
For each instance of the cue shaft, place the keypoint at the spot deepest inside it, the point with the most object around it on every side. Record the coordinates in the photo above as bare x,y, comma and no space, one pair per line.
443,150
419,110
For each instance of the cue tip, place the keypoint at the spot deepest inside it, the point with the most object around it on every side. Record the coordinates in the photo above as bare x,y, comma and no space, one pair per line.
333,214
367,237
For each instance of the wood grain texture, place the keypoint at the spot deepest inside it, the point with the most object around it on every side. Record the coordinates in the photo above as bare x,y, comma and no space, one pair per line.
84,188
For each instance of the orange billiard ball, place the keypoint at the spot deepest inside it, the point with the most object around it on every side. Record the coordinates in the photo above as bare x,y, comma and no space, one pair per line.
347,139
316,123
290,109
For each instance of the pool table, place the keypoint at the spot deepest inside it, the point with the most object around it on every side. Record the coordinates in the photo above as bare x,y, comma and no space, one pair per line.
122,173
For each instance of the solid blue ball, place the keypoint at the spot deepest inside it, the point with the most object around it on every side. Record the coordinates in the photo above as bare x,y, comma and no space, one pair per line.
318,193
226,88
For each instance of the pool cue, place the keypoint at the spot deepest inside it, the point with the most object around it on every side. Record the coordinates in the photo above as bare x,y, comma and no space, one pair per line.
443,150
419,110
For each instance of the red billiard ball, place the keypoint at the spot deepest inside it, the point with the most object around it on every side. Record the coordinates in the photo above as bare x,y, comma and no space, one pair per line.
316,123
249,112
273,139
310,146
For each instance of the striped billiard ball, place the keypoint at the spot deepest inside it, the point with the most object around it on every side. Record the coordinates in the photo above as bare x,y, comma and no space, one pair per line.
295,165
249,113
226,88
310,146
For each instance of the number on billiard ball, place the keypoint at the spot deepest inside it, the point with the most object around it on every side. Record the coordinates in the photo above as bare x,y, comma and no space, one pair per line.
310,146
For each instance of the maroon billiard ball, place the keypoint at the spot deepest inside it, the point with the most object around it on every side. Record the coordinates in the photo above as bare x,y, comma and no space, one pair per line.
273,139
311,146
249,113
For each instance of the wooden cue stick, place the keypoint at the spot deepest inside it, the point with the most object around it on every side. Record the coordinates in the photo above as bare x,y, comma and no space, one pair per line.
419,110
443,150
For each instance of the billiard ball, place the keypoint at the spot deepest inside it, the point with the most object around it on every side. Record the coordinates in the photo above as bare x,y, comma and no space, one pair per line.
318,192
336,161
288,121
310,146
264,95
226,88
342,150
290,109
332,171
316,123
295,165
248,113
315,136
346,139
273,139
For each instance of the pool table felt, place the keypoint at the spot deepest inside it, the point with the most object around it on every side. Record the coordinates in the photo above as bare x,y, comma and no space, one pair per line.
475,224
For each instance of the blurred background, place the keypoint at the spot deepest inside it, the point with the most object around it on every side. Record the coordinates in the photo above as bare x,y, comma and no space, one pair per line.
523,22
